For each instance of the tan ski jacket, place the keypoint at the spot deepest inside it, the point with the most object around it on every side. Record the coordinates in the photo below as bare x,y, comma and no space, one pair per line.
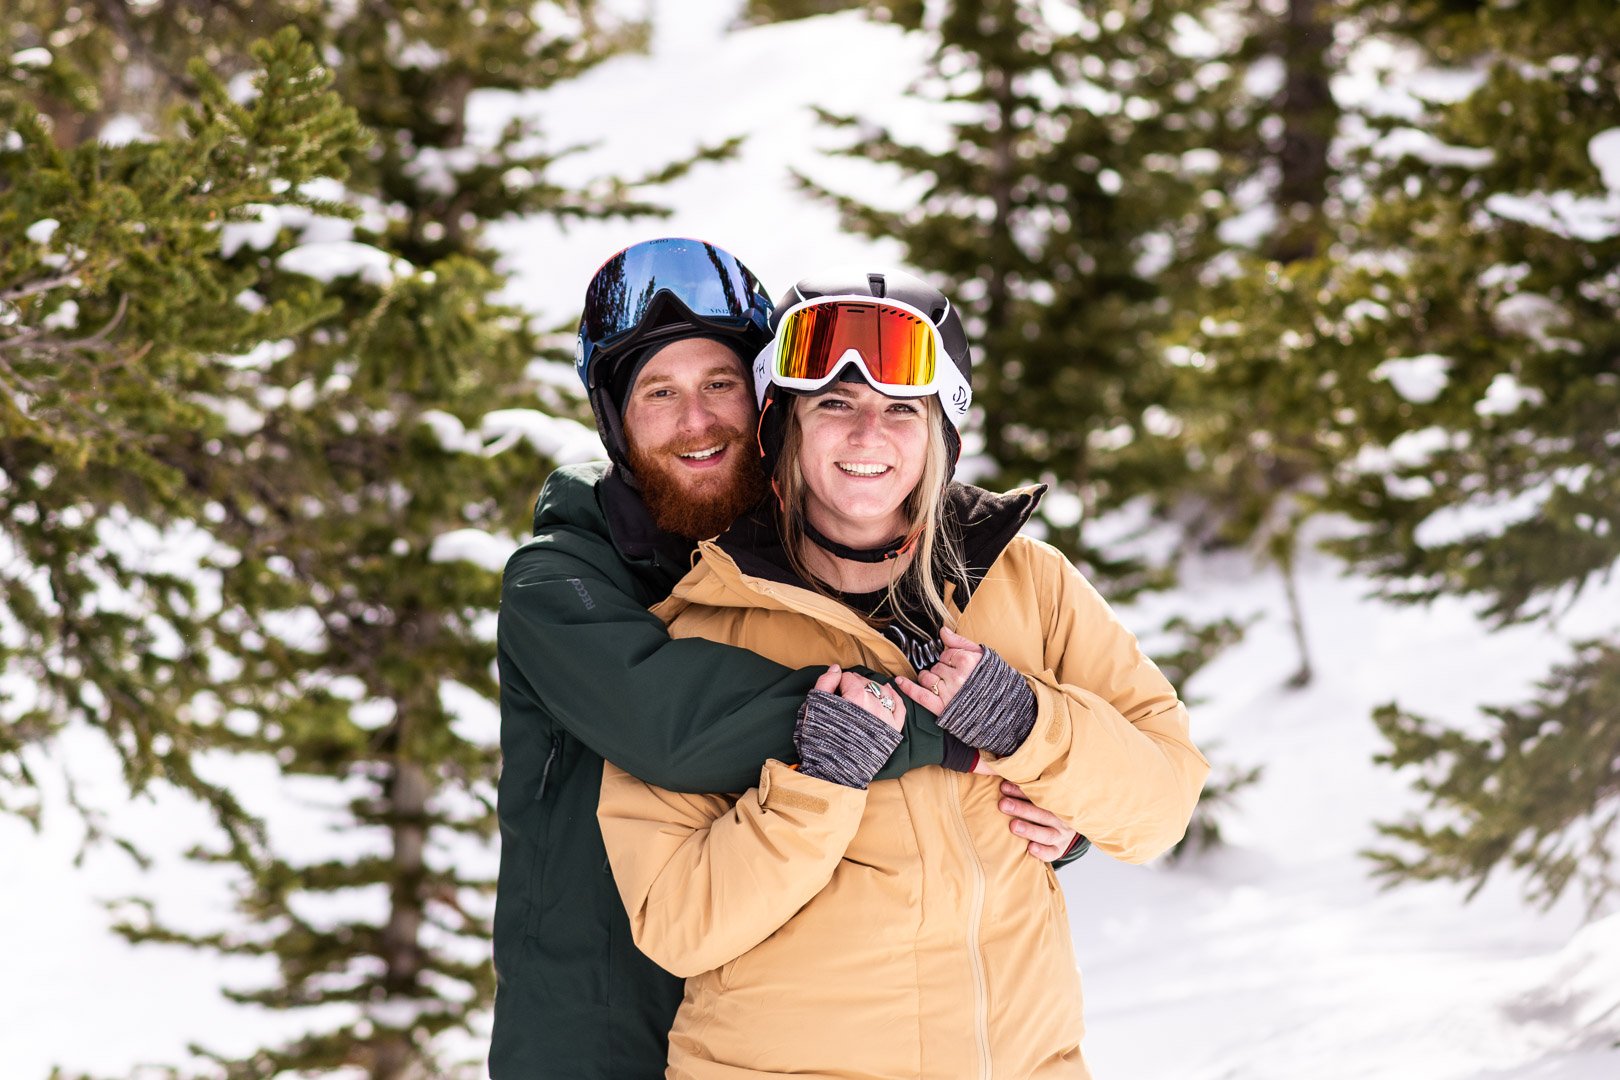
900,931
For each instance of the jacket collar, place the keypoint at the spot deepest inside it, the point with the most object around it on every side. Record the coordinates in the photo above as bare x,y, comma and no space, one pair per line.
589,495
631,525
985,521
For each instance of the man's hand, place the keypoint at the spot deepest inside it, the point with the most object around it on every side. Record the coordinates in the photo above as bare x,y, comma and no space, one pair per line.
1048,837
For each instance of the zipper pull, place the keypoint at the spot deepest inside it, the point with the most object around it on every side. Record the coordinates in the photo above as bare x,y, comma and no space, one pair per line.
545,772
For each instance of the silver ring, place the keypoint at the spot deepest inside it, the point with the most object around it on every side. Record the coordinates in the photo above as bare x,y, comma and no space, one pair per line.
874,689
887,703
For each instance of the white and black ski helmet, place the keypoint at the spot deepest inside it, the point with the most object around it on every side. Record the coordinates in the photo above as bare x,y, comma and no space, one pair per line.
885,284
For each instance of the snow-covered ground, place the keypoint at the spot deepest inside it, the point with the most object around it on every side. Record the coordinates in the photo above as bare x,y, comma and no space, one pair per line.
1275,957
1278,957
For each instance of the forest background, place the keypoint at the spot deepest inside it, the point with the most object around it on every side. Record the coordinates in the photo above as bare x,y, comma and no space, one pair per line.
1292,302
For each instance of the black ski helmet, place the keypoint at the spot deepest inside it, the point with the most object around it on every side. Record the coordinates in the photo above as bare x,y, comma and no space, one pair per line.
649,295
879,285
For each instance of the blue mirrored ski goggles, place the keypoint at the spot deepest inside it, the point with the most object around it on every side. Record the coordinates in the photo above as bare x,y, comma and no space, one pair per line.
709,282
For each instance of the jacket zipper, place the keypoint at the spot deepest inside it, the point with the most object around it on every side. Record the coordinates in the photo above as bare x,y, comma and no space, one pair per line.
545,772
981,1004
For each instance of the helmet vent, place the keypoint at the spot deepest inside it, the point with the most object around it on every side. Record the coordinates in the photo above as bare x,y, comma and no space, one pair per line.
876,284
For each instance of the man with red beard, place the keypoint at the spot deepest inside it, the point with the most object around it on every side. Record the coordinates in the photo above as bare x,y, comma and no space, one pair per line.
588,674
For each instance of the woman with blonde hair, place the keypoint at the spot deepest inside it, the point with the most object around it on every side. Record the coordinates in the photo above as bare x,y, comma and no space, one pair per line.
831,926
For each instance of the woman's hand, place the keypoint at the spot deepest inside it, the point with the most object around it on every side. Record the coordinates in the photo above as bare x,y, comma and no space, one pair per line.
936,687
1048,837
869,694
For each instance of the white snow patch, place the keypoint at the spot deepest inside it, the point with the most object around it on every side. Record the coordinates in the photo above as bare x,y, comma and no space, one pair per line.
264,355
1445,86
1265,77
1481,518
450,432
436,169
257,232
1604,147
328,261
241,89
553,373
1250,227
41,231
124,129
373,714
1062,507
1410,142
1530,315
1579,217
298,628
1507,395
65,317
564,441
239,417
474,717
1411,450
472,545
1418,379
419,54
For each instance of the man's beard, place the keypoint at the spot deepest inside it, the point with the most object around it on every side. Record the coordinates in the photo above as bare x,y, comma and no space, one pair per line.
699,505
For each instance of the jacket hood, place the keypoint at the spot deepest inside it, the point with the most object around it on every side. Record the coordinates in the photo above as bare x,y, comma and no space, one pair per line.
585,495
569,495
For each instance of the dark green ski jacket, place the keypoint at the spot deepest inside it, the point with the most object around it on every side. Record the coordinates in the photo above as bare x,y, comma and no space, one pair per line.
586,674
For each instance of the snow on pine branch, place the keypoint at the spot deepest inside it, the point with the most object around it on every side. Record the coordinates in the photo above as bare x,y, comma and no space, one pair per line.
483,549
556,438
1418,379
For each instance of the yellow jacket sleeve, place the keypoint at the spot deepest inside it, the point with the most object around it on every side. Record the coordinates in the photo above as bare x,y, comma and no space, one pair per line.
705,878
1110,752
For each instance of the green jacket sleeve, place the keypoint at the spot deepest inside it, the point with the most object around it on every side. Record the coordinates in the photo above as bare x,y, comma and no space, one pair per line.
689,715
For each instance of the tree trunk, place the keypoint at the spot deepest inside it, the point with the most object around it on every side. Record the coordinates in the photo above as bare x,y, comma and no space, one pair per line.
1310,116
1284,549
396,1055
1003,164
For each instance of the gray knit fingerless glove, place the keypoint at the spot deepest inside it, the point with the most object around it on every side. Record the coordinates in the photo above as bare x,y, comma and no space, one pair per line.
840,741
994,710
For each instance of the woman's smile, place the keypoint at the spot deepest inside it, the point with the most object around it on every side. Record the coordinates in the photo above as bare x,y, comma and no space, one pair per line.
863,468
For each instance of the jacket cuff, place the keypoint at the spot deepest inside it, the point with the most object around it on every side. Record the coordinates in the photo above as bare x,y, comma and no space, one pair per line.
839,741
958,755
994,710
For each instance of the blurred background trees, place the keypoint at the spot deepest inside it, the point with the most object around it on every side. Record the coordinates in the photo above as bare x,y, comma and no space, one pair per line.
264,423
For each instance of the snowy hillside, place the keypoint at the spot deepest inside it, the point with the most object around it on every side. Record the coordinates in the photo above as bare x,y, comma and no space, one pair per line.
1274,958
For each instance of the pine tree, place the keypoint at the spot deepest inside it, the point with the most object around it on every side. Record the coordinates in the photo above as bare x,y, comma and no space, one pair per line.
1485,405
1073,205
1067,211
1251,410
359,477
115,315
404,428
